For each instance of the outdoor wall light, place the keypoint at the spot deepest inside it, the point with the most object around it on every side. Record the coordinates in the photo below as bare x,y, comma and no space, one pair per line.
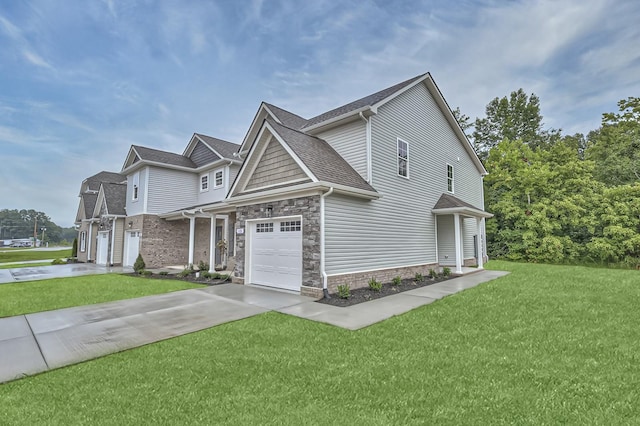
130,224
269,211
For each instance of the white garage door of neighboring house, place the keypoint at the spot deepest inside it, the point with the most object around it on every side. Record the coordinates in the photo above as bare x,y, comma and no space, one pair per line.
132,244
102,248
276,253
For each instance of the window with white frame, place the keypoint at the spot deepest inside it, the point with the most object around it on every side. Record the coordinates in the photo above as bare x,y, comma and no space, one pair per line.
450,178
403,158
218,178
136,186
83,241
264,227
290,226
204,182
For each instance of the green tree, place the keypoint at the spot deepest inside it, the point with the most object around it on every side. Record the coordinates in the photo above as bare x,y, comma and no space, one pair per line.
615,146
515,117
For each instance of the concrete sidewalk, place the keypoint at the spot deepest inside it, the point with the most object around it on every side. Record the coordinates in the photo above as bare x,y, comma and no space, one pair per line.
38,342
32,273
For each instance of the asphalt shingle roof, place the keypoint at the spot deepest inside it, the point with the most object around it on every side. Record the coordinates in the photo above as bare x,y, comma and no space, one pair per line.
93,182
89,202
287,118
115,195
360,103
321,159
224,148
448,201
164,157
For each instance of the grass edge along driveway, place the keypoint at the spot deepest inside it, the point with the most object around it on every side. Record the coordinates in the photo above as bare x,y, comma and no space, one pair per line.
543,345
57,293
22,255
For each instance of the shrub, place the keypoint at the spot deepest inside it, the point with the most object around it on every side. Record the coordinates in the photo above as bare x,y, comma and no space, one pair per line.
223,277
203,266
397,280
186,272
163,273
375,285
418,278
344,291
432,273
146,272
446,271
139,264
74,248
207,275
58,262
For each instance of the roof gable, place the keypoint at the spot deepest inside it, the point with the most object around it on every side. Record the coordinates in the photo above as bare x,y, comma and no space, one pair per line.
220,149
155,156
92,183
275,167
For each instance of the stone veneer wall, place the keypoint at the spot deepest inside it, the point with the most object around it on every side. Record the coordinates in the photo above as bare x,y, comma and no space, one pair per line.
162,242
309,209
361,279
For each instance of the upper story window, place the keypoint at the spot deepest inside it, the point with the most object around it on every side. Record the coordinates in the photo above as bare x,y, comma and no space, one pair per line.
83,241
204,183
136,186
218,178
403,158
450,178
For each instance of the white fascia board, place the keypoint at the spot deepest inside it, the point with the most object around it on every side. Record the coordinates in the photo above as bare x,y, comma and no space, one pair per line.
213,208
126,160
399,92
143,163
339,118
243,149
464,211
348,190
99,201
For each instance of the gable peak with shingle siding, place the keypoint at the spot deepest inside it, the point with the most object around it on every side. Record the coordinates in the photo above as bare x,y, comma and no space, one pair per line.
275,166
221,148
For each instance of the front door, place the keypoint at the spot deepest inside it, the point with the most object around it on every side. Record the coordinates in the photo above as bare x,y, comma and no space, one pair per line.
102,248
132,244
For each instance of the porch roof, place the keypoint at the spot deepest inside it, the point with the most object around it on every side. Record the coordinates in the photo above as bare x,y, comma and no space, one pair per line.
448,204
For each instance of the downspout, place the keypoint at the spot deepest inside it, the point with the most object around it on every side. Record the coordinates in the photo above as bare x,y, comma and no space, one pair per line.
368,147
325,289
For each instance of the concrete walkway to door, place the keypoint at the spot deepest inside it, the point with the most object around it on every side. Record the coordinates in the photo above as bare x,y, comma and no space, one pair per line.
38,342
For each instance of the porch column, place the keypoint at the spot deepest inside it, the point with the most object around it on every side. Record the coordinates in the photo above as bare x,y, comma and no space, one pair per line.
479,244
225,236
456,227
89,237
212,244
192,238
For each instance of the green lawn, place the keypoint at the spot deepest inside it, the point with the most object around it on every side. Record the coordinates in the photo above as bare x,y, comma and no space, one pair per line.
45,295
544,345
23,265
22,255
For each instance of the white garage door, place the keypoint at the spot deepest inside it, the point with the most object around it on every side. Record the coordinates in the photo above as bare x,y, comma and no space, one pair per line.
102,248
132,244
276,253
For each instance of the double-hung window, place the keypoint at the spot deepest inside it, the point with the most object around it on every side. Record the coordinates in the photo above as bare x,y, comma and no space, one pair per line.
450,178
218,179
204,182
403,158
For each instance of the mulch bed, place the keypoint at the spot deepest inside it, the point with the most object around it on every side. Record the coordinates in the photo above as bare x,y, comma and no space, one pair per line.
365,294
189,278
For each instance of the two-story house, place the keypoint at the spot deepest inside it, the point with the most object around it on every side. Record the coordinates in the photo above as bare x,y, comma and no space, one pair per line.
87,219
386,185
169,198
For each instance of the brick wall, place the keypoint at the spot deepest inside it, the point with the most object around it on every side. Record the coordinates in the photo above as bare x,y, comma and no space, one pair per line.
361,279
162,242
201,246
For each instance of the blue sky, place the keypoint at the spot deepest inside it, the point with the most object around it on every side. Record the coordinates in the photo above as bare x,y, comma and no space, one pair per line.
80,81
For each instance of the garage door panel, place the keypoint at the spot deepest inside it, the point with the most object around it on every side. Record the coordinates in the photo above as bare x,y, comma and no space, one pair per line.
276,254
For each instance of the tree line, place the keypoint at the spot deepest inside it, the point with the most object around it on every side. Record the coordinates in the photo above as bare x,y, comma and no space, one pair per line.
17,224
559,198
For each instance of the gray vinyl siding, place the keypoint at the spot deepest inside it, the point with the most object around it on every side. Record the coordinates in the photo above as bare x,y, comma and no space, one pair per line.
170,190
398,229
275,166
469,229
214,194
446,240
118,240
202,155
233,172
350,142
136,207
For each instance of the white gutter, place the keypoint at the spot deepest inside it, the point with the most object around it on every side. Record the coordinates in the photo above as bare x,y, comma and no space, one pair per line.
368,144
325,289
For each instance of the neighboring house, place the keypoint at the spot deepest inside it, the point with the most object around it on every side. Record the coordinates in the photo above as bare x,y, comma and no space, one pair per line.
87,223
386,185
111,214
173,201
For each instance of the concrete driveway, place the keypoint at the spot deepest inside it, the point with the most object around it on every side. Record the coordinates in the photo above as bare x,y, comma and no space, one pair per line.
38,342
56,271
